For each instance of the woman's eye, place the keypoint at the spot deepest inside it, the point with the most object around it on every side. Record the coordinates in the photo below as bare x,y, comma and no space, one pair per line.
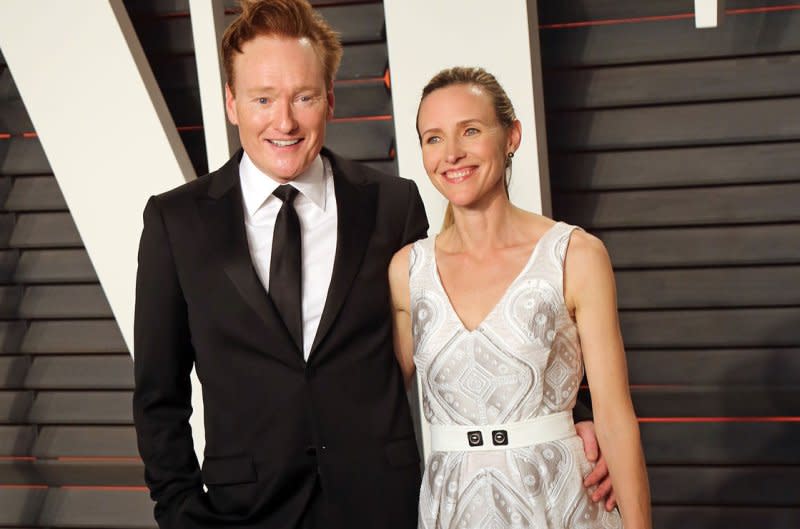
262,100
471,131
433,139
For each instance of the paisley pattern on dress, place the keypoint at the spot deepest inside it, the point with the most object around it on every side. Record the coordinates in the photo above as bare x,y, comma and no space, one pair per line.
523,361
560,384
531,309
477,382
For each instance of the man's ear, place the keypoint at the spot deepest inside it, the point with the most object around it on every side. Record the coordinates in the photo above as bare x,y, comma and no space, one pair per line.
230,105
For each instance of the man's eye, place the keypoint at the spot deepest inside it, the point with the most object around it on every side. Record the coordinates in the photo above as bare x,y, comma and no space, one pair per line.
471,131
262,100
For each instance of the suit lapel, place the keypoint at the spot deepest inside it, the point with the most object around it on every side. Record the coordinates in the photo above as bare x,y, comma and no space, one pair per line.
223,214
355,204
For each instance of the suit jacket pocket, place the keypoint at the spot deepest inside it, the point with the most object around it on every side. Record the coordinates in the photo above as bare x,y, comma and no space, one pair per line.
402,452
229,470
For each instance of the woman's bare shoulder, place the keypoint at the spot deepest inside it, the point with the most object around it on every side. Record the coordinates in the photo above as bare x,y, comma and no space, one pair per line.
587,262
586,246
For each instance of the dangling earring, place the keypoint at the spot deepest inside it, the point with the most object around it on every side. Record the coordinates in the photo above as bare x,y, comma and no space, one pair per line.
507,180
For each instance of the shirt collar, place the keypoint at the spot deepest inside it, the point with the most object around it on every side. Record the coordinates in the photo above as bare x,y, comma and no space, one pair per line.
258,186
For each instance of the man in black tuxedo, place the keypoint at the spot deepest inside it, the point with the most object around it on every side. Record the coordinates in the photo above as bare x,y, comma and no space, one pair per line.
270,276
306,418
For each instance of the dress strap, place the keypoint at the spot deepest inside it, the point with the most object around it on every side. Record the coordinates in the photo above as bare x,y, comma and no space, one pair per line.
561,236
553,244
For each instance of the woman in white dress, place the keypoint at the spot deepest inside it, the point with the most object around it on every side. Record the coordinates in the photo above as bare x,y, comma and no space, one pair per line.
499,314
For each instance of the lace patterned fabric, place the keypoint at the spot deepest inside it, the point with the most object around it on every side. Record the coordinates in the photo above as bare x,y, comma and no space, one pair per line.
523,361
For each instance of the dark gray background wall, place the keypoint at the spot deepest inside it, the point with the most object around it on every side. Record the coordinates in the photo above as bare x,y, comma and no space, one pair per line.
679,148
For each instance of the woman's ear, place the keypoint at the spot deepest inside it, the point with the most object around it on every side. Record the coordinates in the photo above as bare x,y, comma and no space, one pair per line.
514,136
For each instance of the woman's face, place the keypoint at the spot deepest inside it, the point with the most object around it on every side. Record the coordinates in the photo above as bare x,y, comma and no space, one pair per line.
464,146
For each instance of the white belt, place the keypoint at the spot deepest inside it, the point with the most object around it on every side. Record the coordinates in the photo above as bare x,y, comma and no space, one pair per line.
472,438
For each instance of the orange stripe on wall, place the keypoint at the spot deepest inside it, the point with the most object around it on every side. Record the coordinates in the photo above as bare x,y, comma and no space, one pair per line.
27,135
131,459
362,80
616,21
659,18
361,118
716,419
770,9
387,79
100,459
119,488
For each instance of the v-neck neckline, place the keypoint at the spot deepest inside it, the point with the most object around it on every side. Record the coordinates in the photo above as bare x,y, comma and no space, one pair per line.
438,278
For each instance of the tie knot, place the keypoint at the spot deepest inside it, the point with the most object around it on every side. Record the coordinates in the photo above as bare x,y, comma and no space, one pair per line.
286,193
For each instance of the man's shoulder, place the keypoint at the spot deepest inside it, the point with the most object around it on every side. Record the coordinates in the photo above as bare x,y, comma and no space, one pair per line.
194,188
212,184
209,185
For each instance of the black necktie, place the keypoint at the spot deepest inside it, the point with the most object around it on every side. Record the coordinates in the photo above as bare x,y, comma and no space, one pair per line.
284,270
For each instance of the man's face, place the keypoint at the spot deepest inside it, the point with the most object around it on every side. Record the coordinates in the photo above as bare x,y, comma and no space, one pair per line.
281,104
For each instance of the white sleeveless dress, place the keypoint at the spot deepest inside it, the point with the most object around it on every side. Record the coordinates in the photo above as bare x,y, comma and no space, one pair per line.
523,361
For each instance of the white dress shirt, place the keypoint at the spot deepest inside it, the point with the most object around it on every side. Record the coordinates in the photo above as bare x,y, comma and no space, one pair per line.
316,208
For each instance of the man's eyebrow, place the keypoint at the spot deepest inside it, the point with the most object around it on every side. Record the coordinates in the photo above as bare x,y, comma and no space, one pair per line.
259,89
271,89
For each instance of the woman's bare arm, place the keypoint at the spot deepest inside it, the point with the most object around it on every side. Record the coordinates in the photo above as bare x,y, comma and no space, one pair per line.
591,292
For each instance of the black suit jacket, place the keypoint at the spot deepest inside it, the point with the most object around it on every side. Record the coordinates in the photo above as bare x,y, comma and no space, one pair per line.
276,427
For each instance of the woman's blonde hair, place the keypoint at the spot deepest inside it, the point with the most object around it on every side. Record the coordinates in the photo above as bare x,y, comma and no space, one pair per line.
463,75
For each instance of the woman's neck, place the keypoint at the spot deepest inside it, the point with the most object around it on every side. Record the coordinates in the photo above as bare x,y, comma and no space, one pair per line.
482,229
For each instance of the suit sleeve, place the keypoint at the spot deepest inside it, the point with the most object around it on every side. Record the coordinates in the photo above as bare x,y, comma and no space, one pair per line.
163,359
416,226
583,407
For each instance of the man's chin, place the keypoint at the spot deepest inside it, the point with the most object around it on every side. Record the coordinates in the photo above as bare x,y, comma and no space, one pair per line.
283,178
285,171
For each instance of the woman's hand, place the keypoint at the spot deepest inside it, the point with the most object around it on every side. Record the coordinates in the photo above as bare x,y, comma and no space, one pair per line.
599,475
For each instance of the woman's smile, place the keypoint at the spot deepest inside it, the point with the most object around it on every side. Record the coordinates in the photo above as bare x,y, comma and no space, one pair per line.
459,174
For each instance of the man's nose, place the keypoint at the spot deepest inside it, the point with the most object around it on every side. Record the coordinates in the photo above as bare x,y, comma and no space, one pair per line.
285,121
